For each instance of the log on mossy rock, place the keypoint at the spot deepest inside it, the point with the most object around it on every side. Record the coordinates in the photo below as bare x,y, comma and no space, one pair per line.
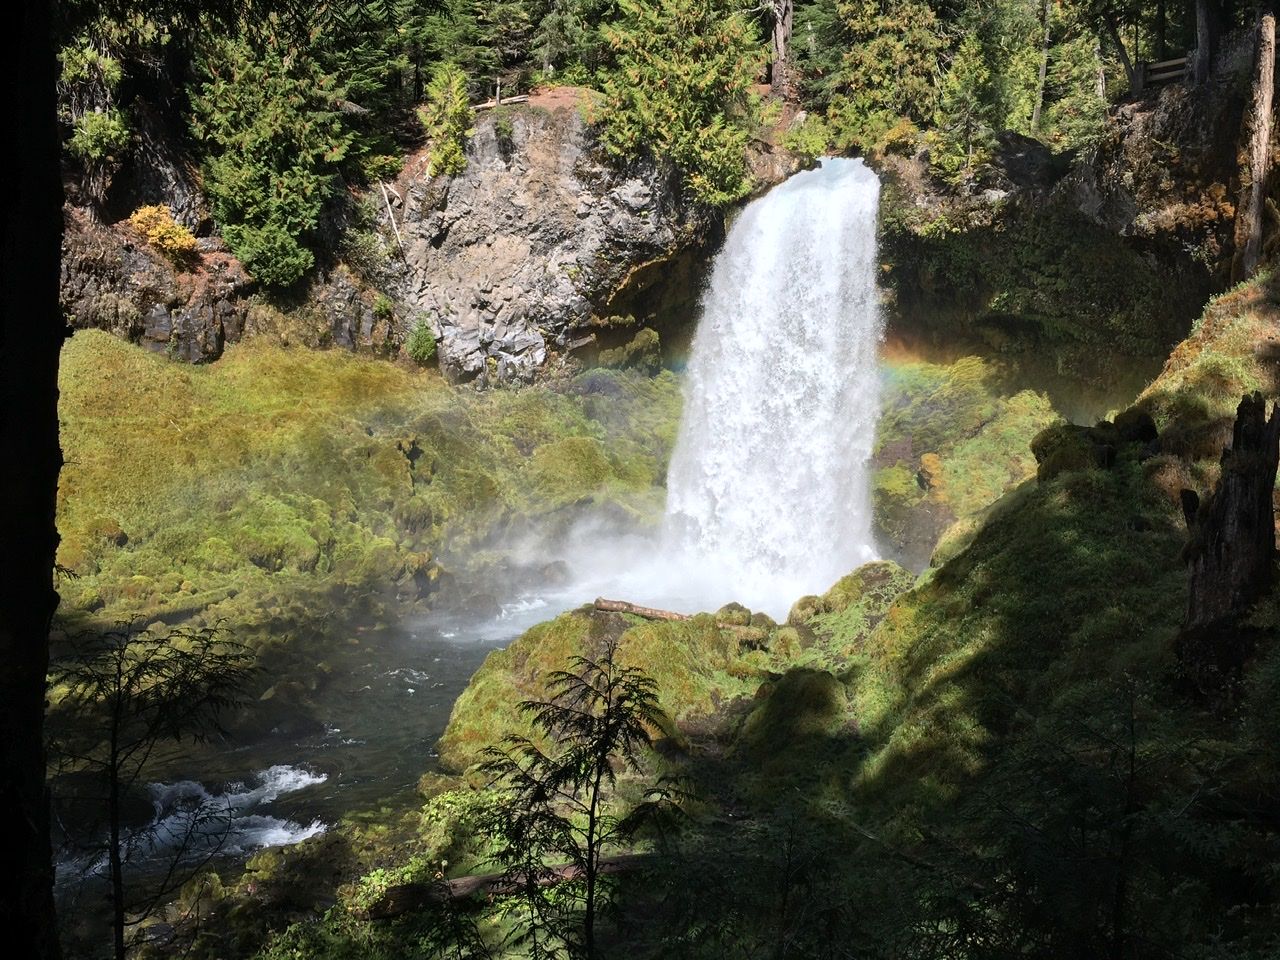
405,897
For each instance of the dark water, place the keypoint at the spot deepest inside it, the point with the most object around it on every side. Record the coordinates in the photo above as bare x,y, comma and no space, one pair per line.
384,705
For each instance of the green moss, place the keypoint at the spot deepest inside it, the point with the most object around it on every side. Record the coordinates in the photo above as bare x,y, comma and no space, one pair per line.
277,473
952,439
698,669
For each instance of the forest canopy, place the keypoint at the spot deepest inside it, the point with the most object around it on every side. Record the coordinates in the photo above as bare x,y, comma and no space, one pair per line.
288,122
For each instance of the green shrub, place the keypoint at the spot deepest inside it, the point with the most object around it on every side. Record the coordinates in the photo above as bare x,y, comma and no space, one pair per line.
421,345
810,138
99,135
447,121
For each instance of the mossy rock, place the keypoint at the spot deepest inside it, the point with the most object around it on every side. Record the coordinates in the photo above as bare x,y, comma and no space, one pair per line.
795,715
1067,447
844,616
696,666
642,352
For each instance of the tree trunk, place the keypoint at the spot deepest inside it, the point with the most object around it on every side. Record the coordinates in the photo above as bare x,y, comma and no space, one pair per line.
1232,549
1161,28
1113,32
783,18
1044,71
1253,180
649,613
31,334
1206,39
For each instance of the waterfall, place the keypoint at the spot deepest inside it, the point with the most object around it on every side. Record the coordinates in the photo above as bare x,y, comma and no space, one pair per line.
767,493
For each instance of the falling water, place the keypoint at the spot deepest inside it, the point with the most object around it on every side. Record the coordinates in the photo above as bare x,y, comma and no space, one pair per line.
768,485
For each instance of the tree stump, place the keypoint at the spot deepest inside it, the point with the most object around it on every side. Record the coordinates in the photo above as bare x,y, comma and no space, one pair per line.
1231,555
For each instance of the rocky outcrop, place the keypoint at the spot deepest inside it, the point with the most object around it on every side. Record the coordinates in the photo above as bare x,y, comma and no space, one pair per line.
113,281
537,247
1165,174
542,246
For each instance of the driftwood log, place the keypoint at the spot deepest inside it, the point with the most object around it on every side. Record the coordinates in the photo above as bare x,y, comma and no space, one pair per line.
1232,550
490,104
744,631
649,613
406,897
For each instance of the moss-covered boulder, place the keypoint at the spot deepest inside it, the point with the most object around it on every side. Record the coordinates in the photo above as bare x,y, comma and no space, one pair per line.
844,617
952,438
800,713
697,666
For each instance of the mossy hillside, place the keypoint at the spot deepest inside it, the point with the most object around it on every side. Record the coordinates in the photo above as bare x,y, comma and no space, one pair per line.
1033,281
1016,759
702,665
1007,754
226,490
953,437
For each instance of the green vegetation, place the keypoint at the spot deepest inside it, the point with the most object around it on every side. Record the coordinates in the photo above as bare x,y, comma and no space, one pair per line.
117,696
269,120
679,90
560,805
279,475
447,121
995,761
952,439
421,345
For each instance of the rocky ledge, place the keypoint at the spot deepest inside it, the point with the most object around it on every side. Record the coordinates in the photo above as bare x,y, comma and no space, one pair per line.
541,245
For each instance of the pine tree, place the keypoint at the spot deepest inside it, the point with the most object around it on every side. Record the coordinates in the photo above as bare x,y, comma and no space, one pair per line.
961,139
275,141
679,90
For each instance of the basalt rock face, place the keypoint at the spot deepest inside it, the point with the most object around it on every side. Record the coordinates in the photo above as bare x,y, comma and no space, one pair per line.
112,281
1165,175
1070,262
541,245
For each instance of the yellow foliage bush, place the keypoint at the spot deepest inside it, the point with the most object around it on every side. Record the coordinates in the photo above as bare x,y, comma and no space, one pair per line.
171,238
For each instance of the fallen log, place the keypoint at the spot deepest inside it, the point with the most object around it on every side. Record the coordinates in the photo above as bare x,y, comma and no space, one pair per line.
649,613
653,613
490,104
405,897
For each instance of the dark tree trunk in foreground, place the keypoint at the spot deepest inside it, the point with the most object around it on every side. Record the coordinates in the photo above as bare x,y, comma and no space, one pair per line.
1232,549
1257,148
31,334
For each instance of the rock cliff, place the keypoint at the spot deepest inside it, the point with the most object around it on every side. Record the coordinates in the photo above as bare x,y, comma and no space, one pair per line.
540,245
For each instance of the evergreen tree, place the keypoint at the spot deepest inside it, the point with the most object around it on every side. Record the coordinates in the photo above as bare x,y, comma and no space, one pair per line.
961,138
679,89
275,139
889,70
446,118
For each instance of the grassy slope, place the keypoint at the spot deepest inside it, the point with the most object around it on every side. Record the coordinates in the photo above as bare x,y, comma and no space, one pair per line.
239,489
1006,764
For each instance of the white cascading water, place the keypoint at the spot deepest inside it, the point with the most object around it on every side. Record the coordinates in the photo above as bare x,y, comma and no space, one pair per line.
767,493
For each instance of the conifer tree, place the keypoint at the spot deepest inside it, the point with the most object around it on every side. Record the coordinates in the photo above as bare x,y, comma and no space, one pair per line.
679,90
962,136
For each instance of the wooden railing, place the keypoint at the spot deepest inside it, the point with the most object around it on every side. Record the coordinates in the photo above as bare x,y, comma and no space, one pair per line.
1162,73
